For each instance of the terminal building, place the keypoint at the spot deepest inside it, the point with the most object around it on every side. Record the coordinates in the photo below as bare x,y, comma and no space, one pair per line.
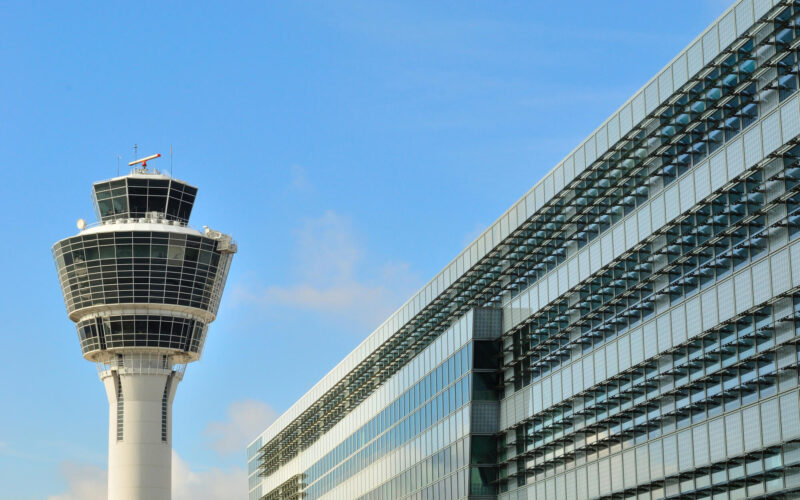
628,329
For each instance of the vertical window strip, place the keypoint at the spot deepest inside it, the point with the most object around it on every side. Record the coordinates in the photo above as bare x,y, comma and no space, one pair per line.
164,403
120,408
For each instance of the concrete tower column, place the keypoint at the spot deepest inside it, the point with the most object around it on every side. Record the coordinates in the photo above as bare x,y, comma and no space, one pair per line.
140,431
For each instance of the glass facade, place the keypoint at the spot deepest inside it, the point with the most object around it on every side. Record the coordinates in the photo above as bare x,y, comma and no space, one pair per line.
137,197
632,324
141,330
140,267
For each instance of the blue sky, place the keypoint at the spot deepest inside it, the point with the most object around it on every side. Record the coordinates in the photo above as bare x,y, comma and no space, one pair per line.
351,148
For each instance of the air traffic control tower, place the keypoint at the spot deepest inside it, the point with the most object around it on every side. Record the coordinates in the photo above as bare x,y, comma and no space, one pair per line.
142,288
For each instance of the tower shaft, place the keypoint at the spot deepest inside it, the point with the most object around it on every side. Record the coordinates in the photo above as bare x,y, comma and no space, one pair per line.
140,427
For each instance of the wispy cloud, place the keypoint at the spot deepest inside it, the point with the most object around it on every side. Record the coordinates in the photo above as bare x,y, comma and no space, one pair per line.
299,179
84,482
245,420
333,277
210,484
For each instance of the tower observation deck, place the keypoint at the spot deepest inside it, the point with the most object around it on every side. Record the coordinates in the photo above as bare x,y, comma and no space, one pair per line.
142,288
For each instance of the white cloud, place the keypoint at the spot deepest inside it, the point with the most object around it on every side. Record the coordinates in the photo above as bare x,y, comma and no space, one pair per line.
89,482
213,483
330,266
84,482
246,419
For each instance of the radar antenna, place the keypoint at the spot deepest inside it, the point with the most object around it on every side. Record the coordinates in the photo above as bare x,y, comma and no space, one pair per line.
144,161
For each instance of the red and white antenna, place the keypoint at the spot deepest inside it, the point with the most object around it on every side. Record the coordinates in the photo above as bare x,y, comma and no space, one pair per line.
144,161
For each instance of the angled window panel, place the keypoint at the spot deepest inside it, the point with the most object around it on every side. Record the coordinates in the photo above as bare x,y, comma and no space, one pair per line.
599,364
695,58
656,460
727,30
685,451
761,7
794,255
700,443
530,205
719,172
743,291
762,288
664,327
680,74
631,232
638,108
604,472
588,372
619,240
670,445
694,319
710,309
710,44
702,181
644,222
637,346
625,120
566,383
542,295
595,255
559,178
624,353
678,319
612,130
770,422
593,479
686,193
548,187
790,119
672,203
650,340
790,416
744,16
562,280
735,158
601,142
573,272
665,84
642,464
612,363
539,190
781,280
752,147
751,423
651,97
629,468
658,214
577,378
607,248
771,132
580,160
590,148
569,169
716,439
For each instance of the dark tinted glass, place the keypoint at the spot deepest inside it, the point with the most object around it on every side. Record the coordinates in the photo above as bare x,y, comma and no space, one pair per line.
134,197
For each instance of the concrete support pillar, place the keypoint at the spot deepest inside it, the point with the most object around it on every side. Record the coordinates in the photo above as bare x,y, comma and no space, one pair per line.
140,432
